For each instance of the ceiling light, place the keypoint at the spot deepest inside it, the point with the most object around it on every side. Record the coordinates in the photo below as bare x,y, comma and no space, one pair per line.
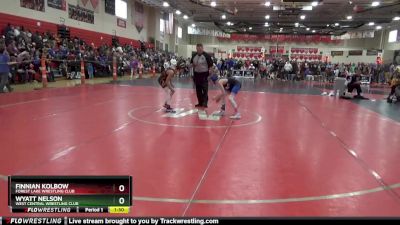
302,17
267,17
267,3
213,3
223,17
307,8
193,25
378,27
185,17
313,31
371,23
296,24
250,28
307,28
336,24
266,25
349,17
178,12
276,8
281,28
397,18
165,4
327,25
314,3
375,4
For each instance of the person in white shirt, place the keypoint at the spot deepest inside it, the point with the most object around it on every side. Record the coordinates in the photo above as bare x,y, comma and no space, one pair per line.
288,69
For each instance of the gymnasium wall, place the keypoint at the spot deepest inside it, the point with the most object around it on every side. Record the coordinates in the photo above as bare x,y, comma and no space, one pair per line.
390,48
213,45
393,45
104,25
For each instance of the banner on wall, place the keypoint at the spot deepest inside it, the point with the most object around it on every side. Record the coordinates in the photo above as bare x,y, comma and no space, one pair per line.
336,53
91,5
57,4
373,52
281,38
355,52
121,23
80,14
37,5
355,35
169,23
207,32
138,16
109,7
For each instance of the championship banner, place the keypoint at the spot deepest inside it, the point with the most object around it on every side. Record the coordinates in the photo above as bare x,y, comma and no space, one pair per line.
37,5
121,23
280,38
138,16
206,32
80,14
356,52
57,4
91,5
109,7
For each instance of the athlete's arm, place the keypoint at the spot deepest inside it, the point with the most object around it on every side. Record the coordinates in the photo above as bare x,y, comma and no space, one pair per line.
221,84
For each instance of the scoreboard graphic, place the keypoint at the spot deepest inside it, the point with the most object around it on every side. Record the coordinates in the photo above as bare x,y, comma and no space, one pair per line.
70,194
41,195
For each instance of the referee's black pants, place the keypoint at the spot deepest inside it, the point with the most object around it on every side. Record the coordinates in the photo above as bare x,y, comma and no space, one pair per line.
201,83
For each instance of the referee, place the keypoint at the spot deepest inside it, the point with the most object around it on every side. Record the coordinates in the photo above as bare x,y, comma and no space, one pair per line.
201,64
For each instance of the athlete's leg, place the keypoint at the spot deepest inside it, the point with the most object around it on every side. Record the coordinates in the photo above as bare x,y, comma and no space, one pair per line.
234,92
168,97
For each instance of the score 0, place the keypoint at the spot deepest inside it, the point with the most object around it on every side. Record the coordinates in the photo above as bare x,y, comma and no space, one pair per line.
122,189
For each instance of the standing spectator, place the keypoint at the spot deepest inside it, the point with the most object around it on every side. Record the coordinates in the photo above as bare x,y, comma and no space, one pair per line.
201,64
288,70
263,69
323,71
394,83
134,66
4,69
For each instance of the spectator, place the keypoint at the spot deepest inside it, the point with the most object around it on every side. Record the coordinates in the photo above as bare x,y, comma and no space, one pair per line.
4,69
288,70
355,83
395,82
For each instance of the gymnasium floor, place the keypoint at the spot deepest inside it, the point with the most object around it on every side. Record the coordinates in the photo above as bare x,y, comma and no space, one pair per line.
294,152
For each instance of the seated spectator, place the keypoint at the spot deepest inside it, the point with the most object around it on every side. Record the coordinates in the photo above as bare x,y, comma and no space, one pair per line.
354,82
